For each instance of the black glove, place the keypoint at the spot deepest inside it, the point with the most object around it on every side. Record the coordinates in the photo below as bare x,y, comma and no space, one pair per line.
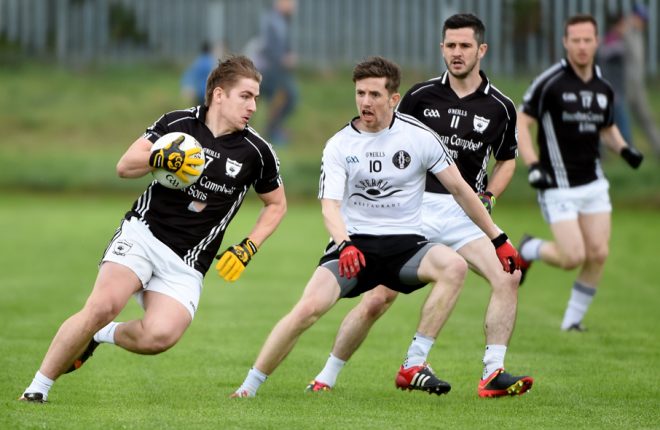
539,178
632,156
488,199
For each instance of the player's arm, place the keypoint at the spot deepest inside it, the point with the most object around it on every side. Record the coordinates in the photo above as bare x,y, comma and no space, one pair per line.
499,180
612,138
525,146
351,259
270,216
468,200
233,261
135,161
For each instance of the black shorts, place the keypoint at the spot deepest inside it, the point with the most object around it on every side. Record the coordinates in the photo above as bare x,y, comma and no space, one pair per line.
391,260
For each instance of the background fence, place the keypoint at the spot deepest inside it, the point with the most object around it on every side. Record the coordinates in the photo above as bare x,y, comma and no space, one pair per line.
524,35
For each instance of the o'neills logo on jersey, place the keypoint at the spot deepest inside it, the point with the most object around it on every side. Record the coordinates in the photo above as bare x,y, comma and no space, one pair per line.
480,123
401,159
601,99
431,113
121,247
232,167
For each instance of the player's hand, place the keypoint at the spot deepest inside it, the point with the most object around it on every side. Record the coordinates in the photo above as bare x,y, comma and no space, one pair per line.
632,156
506,253
232,262
351,260
176,160
539,178
488,199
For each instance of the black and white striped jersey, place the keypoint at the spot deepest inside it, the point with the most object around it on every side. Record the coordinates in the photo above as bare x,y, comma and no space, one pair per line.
380,177
472,128
570,115
192,221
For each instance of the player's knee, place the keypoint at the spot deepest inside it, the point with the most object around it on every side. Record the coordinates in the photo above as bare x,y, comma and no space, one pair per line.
598,255
305,314
572,261
375,305
505,282
155,342
455,269
98,314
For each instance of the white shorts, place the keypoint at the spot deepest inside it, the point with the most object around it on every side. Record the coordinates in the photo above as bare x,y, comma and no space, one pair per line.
562,204
445,222
157,266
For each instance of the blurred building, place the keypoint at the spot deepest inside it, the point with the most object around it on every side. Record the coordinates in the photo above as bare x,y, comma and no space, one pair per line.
524,35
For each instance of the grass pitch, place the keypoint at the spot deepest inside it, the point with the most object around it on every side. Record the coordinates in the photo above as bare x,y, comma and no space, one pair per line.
605,378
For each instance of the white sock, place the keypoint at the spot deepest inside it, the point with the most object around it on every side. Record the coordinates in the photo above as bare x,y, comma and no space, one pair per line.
418,351
252,382
531,250
107,333
581,297
493,359
40,384
331,370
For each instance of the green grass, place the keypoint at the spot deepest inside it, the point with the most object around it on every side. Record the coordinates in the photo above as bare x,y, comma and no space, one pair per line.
605,378
65,130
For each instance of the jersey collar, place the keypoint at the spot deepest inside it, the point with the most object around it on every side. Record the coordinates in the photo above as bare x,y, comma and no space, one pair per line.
569,69
357,117
484,87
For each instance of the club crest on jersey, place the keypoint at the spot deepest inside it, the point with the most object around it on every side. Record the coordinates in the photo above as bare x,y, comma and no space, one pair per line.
480,123
401,159
121,247
601,99
232,167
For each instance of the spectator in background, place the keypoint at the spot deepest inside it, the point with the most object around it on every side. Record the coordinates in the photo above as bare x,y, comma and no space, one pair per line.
612,59
193,81
276,61
635,70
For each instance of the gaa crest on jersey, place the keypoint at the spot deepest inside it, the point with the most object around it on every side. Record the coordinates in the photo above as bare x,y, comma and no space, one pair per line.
601,99
401,159
480,123
121,247
232,167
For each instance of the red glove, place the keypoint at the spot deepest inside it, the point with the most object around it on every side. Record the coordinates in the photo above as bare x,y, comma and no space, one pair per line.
506,253
351,260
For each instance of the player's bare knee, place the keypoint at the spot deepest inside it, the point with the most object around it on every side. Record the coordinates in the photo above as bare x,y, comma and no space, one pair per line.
98,314
455,269
157,342
375,305
598,255
573,261
505,282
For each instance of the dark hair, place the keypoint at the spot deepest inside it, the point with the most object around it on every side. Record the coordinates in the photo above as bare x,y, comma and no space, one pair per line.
463,20
579,19
379,67
227,74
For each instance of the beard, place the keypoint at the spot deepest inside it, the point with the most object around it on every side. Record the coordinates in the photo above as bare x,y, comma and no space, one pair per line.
463,74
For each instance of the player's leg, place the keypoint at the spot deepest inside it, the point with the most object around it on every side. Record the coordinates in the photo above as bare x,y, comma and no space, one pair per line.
114,286
320,294
352,332
596,232
446,270
499,321
164,322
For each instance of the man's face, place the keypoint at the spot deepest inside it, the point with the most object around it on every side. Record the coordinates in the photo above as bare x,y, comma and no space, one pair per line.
581,43
239,103
461,51
374,103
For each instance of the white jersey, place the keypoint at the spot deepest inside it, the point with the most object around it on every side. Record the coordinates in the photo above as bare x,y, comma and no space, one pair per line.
380,177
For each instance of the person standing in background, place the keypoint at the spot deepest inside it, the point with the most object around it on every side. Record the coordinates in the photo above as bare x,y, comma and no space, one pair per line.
635,75
193,81
276,61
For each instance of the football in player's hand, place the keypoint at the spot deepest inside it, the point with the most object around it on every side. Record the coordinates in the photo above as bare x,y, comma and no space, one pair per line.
179,160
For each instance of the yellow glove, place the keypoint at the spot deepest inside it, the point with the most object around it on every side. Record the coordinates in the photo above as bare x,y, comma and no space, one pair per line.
176,160
234,259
